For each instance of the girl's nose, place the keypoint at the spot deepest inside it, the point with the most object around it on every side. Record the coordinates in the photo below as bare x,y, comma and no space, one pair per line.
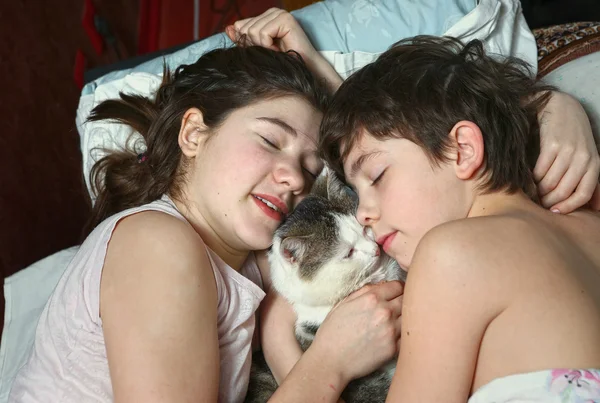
292,177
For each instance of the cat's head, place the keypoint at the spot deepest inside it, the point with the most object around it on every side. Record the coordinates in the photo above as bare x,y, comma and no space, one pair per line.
321,253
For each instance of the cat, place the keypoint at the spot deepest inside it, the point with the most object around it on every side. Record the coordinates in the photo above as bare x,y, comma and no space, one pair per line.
320,254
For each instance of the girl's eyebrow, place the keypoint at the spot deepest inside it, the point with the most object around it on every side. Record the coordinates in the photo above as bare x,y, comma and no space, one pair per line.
357,165
278,122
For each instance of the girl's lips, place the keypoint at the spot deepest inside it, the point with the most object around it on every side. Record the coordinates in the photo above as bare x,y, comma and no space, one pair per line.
268,210
276,202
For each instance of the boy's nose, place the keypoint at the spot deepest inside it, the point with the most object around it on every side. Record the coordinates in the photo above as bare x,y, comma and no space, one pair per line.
363,215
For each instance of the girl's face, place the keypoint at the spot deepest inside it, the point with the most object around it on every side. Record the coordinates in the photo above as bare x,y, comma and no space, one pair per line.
401,195
254,169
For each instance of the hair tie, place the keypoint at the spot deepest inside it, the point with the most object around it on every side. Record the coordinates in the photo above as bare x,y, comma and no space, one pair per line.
142,157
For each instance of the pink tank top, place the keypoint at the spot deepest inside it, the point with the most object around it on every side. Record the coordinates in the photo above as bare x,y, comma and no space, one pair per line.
68,361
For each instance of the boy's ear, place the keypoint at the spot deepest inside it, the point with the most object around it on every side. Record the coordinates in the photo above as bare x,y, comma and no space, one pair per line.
469,149
193,132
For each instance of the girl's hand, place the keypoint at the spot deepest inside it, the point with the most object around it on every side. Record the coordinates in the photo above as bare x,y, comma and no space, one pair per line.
361,333
274,29
278,30
568,167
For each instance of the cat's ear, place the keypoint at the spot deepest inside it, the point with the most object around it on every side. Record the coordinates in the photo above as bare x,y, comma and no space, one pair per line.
293,248
328,185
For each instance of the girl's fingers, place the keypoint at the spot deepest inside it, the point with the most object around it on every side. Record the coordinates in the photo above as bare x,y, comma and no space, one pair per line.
547,157
385,291
263,31
552,178
587,189
242,26
396,306
567,184
595,202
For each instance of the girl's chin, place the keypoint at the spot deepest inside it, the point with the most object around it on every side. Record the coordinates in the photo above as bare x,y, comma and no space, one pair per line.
260,241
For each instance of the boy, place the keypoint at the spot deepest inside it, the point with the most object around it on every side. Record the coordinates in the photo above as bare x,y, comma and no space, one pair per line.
502,299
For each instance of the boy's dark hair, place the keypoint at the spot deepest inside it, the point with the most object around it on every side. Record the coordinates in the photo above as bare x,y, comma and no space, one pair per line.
220,82
422,86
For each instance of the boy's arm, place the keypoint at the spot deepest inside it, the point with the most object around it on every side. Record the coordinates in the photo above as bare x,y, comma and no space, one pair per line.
448,303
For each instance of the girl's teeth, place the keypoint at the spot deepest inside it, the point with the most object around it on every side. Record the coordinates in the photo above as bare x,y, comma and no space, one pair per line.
268,203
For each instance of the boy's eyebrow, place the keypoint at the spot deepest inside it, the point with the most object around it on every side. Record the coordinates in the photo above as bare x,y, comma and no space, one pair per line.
278,122
357,165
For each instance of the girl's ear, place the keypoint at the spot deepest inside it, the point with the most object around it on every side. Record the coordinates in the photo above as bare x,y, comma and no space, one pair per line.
469,149
193,132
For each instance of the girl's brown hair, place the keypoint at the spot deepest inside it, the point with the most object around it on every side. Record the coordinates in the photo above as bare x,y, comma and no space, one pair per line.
220,82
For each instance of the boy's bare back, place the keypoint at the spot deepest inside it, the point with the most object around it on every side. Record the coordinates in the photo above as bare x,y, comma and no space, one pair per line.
546,288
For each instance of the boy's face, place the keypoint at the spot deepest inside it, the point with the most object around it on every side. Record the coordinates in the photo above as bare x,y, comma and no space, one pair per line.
401,196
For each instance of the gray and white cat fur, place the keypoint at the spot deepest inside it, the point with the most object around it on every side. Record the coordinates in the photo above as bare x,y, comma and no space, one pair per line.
320,254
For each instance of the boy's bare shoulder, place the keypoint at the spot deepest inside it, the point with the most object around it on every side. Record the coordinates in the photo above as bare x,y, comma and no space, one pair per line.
461,260
481,247
463,235
480,232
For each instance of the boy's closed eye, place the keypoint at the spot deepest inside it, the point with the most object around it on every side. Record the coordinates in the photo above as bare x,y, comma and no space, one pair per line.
311,174
378,176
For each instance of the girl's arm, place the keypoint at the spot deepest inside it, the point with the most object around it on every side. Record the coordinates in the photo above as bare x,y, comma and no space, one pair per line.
448,303
158,303
568,166
278,339
357,337
278,30
277,324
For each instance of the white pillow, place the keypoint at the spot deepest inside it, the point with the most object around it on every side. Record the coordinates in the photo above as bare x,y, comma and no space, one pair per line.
499,23
26,293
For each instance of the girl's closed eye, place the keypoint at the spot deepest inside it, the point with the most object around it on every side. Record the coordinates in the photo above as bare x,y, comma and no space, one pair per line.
269,142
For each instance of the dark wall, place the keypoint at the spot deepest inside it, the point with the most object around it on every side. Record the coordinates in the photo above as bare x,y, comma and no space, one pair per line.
43,204
542,13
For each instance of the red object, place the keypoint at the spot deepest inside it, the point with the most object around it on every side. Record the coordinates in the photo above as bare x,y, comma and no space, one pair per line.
87,21
149,25
79,68
164,24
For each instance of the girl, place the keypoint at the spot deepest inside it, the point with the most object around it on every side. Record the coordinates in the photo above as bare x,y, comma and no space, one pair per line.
158,304
566,175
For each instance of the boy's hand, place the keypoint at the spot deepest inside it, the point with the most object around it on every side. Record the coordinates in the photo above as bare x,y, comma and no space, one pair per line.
568,167
274,29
